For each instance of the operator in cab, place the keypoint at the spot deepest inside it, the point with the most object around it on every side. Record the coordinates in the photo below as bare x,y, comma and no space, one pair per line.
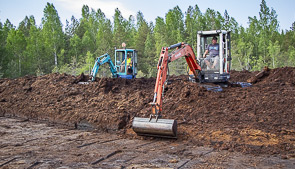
129,64
213,50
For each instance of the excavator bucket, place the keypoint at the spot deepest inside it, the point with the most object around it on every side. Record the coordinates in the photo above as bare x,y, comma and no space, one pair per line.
155,127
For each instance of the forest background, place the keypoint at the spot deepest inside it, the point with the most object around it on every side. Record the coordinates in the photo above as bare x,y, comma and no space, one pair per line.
29,49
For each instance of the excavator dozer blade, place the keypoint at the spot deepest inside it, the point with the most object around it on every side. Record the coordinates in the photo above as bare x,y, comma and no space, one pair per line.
160,128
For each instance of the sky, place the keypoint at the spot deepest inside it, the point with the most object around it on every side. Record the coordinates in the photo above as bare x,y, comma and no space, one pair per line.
16,10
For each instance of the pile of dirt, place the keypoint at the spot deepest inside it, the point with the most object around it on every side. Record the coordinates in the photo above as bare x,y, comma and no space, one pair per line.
241,76
257,119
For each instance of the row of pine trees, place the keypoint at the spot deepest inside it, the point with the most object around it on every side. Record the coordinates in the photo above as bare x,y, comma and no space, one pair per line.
29,49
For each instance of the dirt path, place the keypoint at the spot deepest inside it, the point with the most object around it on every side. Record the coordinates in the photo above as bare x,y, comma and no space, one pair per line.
27,144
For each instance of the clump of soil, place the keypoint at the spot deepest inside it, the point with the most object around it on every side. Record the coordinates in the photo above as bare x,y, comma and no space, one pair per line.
257,119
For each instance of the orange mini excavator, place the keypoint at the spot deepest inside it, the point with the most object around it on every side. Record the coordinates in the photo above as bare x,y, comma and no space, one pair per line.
154,125
203,72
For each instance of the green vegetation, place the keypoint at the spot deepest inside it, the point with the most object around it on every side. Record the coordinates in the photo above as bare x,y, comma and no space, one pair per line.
35,50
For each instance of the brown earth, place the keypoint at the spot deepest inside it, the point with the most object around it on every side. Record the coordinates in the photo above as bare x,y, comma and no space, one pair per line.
255,120
28,144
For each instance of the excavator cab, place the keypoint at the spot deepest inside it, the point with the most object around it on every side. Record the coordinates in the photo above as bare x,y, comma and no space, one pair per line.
215,69
126,63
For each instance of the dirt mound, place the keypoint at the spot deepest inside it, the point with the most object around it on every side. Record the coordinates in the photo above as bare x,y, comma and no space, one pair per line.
257,119
241,76
285,75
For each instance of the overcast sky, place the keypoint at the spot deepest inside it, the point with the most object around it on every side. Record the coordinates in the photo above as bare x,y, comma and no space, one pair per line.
16,10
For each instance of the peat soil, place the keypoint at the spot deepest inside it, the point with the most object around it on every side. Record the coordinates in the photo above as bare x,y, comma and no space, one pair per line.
253,120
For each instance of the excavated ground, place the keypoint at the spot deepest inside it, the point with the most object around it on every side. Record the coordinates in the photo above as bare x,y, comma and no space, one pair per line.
254,120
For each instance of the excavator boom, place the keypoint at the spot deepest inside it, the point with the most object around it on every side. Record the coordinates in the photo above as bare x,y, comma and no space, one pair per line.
153,125
100,61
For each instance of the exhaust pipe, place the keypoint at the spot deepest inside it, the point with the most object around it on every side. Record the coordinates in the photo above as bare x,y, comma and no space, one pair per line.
155,127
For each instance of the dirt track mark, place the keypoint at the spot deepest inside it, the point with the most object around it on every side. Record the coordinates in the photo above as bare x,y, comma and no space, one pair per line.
97,142
106,157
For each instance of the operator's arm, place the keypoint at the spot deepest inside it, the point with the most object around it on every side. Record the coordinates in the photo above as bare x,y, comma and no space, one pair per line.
123,62
206,52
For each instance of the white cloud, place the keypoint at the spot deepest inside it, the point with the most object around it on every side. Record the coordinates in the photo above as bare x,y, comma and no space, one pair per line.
108,7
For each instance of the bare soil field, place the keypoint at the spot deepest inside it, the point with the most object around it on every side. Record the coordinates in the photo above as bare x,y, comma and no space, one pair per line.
29,144
256,121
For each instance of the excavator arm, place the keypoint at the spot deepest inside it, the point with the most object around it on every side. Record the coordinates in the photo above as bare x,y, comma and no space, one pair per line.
100,61
182,50
154,125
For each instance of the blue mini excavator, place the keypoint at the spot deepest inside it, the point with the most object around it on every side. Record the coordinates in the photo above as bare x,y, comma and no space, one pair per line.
122,68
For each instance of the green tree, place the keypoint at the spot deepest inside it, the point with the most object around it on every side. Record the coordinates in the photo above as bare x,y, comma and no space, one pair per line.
119,31
34,49
291,54
71,28
16,44
293,27
160,34
174,26
88,63
212,20
104,39
252,36
175,34
70,32
140,39
75,47
130,32
88,42
2,49
5,57
274,52
193,24
25,25
230,24
104,35
190,29
150,53
269,26
53,35
82,27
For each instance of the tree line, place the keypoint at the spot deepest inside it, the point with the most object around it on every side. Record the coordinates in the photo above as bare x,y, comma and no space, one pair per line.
35,50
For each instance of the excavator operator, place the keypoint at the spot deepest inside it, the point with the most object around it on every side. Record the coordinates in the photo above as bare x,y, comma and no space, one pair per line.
213,50
129,64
